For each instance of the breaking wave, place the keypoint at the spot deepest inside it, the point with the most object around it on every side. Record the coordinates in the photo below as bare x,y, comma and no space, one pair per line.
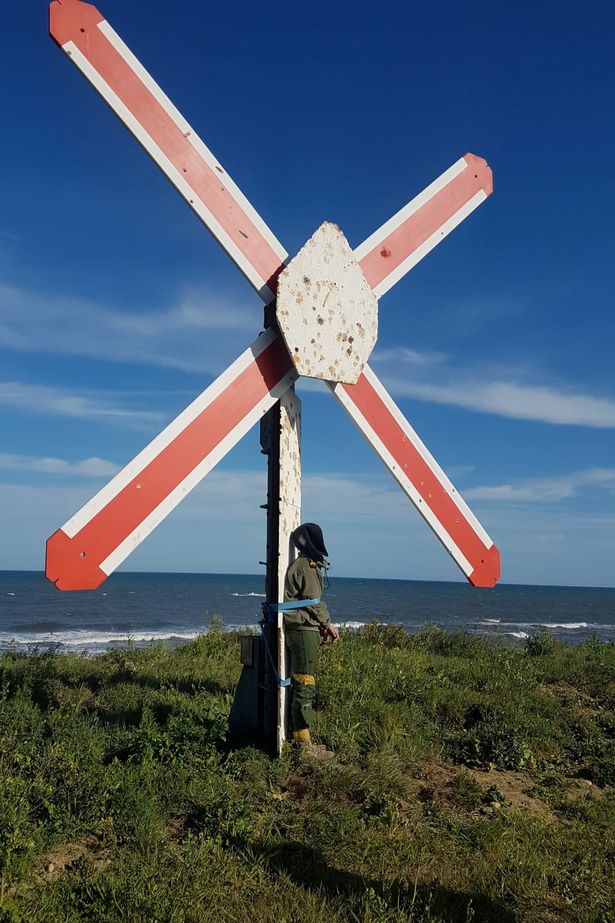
95,642
81,639
571,625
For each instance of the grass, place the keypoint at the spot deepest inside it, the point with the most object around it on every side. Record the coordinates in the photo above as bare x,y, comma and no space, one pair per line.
473,782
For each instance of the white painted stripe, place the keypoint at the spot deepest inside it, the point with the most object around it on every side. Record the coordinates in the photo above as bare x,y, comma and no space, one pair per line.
163,439
154,519
426,455
428,245
170,170
402,479
186,129
404,213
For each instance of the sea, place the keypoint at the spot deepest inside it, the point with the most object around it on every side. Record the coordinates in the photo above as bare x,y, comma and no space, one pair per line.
138,609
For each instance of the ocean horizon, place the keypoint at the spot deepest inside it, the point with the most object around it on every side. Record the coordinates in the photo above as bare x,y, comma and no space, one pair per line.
141,608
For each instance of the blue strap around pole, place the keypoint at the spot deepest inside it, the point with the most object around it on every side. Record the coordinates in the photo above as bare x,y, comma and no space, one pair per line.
271,609
294,604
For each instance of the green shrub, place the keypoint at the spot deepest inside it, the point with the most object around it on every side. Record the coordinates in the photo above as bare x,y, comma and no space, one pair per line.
541,644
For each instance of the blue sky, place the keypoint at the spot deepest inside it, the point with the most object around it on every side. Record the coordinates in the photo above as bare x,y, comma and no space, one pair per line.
117,308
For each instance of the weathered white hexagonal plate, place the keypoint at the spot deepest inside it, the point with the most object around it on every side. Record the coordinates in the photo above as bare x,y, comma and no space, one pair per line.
326,311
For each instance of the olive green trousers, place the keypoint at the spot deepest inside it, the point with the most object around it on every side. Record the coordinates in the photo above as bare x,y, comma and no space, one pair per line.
302,646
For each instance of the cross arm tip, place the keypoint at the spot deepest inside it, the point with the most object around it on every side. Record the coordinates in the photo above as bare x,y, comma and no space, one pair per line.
68,567
482,171
69,18
487,571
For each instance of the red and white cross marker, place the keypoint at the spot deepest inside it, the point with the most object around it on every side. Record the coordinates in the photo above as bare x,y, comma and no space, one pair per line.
101,535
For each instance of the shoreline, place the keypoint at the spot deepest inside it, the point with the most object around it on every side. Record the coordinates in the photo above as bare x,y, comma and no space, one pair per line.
97,642
177,608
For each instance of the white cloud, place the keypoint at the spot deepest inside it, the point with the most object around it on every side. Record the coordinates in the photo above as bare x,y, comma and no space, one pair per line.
430,376
87,467
312,385
546,489
177,337
514,400
220,526
173,338
475,313
407,356
39,399
342,499
370,529
515,392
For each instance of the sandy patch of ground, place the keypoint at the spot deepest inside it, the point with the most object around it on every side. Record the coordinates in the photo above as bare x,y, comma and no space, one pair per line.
500,789
57,861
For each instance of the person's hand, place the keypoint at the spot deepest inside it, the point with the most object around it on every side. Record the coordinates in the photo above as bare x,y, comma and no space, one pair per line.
330,634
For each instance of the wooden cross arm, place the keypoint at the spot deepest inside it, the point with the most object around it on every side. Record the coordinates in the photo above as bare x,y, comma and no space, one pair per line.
420,477
95,541
96,49
413,232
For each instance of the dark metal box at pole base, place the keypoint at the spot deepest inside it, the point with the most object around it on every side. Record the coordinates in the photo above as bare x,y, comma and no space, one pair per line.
251,718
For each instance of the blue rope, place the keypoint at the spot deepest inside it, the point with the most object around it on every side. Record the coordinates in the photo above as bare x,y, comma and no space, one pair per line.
271,609
281,682
274,608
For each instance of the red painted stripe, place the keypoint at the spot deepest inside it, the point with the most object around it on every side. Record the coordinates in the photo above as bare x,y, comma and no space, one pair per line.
67,559
71,20
369,403
401,243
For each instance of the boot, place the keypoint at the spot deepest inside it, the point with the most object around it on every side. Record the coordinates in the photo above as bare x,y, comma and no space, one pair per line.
309,750
318,752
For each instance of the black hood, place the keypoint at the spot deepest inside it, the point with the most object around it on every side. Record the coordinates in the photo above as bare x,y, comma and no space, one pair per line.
308,540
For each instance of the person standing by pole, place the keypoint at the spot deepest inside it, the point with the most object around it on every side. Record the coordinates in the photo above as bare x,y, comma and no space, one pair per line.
306,628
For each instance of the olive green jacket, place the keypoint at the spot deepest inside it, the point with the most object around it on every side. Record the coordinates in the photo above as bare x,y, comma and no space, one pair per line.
305,580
